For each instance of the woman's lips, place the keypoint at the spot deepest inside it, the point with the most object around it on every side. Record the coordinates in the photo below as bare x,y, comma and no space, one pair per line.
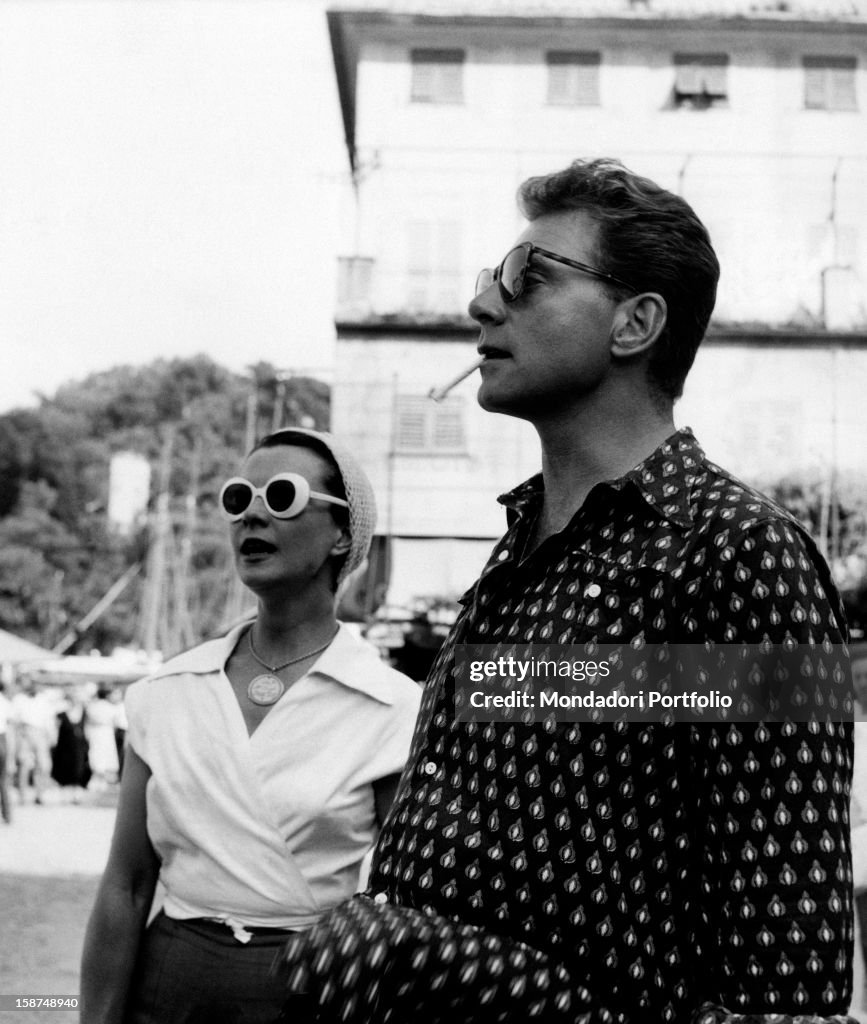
255,546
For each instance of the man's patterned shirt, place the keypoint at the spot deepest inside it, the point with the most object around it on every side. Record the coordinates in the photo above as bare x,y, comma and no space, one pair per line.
667,867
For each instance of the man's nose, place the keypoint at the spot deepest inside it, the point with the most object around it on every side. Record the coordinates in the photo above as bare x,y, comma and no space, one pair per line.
487,306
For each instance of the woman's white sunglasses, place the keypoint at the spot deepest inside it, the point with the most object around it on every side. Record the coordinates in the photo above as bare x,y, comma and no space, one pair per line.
285,496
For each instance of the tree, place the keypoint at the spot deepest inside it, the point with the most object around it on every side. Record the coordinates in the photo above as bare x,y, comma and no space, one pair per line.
838,521
58,554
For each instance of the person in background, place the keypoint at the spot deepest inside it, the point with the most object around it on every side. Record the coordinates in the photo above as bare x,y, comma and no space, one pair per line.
259,766
120,725
615,870
99,728
33,714
5,755
70,767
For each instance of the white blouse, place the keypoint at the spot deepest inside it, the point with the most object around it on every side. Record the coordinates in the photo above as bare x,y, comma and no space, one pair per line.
268,829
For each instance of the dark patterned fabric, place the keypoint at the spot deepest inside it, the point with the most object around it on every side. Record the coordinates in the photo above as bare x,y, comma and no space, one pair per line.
666,873
375,962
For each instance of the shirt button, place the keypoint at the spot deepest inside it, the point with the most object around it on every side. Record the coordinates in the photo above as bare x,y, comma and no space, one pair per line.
380,897
430,768
502,556
594,590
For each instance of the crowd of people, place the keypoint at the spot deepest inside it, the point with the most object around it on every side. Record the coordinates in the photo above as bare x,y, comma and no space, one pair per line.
65,738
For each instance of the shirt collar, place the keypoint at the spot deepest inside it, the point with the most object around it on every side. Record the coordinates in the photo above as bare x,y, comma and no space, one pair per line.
357,664
664,480
349,660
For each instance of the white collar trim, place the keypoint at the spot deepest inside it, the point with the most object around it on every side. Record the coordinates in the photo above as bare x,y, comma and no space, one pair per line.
350,661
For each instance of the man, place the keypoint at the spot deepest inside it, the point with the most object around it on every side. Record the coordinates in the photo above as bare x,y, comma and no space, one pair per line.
34,716
614,871
5,755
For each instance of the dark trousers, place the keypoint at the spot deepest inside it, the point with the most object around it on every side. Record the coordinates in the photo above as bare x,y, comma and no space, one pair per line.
860,998
5,802
196,972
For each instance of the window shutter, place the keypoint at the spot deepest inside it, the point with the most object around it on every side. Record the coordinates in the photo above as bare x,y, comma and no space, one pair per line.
451,83
829,83
422,82
437,76
433,266
558,83
814,88
432,427
449,427
843,88
411,427
701,78
686,79
714,74
573,78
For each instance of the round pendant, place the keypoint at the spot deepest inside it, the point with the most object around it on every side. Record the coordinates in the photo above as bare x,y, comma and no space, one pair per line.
265,689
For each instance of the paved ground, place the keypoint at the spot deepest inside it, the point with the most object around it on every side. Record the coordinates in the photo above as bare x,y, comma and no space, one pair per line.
56,840
51,858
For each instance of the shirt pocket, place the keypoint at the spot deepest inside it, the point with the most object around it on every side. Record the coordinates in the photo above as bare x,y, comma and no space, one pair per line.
607,602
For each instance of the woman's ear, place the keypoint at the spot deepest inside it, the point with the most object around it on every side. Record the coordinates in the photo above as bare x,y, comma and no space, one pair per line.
638,323
343,542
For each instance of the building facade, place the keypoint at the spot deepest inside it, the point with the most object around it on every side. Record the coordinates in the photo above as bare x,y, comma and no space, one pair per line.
753,111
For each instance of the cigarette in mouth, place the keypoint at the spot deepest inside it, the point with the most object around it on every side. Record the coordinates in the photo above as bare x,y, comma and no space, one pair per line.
438,394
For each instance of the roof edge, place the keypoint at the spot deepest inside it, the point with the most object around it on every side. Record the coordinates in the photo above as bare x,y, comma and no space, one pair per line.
345,72
396,327
383,15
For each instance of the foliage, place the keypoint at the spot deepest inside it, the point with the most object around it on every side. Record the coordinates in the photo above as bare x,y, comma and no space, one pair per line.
838,522
192,420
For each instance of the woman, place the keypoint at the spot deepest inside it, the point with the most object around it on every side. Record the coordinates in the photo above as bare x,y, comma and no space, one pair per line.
259,765
99,729
70,762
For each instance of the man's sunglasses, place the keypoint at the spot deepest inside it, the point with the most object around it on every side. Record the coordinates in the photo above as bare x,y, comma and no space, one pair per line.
511,273
286,495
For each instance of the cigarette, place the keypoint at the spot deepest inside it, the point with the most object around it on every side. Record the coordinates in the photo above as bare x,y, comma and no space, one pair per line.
438,394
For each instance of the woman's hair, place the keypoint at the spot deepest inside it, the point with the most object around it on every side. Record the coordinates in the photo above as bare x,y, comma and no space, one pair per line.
648,237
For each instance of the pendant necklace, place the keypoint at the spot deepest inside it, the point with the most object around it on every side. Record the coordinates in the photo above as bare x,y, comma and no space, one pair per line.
268,688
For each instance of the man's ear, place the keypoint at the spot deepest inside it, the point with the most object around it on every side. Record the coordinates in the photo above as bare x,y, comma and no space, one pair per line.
638,322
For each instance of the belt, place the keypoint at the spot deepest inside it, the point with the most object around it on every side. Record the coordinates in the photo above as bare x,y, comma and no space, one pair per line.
242,933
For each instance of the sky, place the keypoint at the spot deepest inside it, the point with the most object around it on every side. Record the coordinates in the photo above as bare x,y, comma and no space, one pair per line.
170,184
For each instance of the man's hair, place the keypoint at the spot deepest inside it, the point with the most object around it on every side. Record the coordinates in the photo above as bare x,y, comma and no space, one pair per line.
648,237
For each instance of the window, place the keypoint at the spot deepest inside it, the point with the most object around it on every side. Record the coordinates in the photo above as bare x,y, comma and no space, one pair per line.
700,80
437,76
829,83
354,282
433,267
573,78
422,425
